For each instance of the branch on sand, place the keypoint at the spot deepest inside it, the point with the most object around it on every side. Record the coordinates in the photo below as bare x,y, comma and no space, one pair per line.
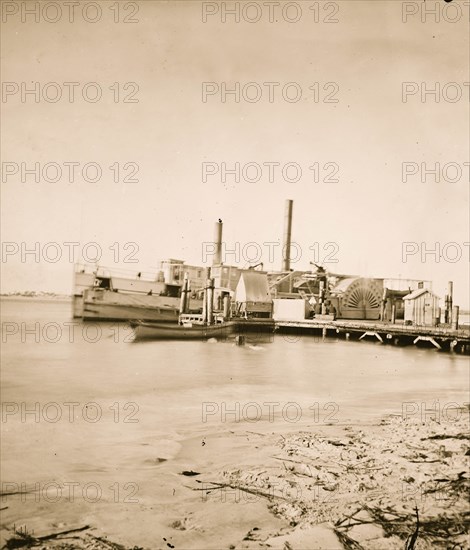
217,485
22,538
411,540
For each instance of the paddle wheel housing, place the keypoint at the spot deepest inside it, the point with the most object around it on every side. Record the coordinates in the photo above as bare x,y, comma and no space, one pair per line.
357,298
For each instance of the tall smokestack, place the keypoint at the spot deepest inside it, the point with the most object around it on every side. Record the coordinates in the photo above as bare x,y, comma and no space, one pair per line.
287,235
218,243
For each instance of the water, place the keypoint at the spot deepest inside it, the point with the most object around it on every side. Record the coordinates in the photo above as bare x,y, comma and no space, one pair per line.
139,407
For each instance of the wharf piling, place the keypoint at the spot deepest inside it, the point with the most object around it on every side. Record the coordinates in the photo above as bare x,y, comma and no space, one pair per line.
449,338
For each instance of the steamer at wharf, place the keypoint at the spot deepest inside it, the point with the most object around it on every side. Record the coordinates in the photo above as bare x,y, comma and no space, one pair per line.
315,302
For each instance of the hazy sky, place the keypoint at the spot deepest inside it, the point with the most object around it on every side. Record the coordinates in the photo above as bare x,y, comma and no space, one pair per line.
169,212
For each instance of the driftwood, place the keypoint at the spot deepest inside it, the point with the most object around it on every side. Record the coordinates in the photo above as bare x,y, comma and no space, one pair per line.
347,541
441,528
23,538
350,516
217,485
447,436
287,460
411,541
112,545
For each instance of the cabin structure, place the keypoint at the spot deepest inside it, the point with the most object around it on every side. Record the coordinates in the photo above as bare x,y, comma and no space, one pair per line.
393,306
421,308
172,272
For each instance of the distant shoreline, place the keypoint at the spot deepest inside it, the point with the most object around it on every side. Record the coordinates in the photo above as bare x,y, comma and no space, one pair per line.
38,297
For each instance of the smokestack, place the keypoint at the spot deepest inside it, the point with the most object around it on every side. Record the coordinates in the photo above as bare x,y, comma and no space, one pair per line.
287,235
218,243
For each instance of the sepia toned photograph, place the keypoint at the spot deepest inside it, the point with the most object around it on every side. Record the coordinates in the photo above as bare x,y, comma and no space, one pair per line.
235,275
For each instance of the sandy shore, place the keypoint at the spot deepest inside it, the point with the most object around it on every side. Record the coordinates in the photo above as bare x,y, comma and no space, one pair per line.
377,486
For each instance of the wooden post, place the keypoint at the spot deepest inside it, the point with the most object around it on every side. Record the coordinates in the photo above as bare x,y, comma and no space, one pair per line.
321,293
204,296
182,298
204,306
188,298
394,309
450,291
455,318
383,305
448,303
240,340
226,307
210,301
184,295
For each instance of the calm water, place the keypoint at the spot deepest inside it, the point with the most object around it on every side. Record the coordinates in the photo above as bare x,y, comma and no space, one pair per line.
148,398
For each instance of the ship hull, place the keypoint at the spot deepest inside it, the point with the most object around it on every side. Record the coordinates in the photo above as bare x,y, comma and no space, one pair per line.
162,331
110,312
106,305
